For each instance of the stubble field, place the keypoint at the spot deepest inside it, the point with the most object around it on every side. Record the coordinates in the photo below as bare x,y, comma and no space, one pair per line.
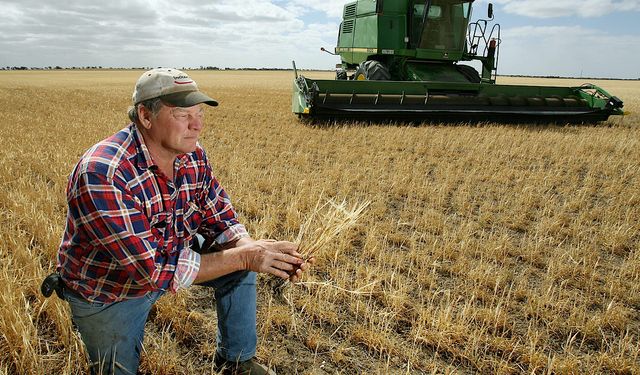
484,249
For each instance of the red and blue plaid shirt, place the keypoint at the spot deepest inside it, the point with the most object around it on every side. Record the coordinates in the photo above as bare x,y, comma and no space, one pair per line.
129,228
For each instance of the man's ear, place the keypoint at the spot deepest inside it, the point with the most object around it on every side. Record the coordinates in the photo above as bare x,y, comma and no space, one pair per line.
144,116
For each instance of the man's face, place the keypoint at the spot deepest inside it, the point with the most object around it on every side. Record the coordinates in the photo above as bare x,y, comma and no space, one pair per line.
176,129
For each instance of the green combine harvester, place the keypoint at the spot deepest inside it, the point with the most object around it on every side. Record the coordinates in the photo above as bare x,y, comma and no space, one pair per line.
401,60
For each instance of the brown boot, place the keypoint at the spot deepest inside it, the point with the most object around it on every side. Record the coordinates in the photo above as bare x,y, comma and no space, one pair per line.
248,367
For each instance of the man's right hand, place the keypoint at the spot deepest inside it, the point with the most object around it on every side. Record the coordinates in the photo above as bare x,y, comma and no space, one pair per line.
279,258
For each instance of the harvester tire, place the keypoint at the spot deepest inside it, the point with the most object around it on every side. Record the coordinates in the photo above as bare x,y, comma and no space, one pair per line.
372,70
469,73
341,74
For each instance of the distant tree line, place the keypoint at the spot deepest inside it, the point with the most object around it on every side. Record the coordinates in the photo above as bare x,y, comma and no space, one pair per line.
140,68
568,77
57,67
50,67
227,68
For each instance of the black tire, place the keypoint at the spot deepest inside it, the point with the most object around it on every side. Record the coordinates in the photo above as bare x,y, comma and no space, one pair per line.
372,70
341,74
470,73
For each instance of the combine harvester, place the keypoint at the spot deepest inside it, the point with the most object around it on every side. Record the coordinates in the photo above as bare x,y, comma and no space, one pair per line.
401,61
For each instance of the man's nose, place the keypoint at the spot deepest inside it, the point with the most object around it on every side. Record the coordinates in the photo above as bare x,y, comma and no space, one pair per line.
196,122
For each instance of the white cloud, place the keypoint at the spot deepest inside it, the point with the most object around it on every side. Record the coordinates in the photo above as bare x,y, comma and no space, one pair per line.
271,33
567,8
153,32
330,8
567,51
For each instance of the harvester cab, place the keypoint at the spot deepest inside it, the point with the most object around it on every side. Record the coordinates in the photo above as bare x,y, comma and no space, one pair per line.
406,60
415,41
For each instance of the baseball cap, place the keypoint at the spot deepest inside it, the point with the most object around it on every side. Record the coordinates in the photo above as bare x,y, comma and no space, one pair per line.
172,86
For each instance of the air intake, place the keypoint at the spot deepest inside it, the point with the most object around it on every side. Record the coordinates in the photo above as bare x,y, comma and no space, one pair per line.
350,11
347,27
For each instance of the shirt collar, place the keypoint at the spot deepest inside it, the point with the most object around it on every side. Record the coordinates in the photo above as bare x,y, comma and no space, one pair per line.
144,159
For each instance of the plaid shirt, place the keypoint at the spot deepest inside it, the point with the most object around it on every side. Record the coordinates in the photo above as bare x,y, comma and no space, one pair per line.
129,228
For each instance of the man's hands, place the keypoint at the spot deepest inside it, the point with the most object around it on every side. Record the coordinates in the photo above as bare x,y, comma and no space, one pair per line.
279,258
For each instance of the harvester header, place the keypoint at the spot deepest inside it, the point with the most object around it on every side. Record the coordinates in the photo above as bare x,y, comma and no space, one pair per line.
406,60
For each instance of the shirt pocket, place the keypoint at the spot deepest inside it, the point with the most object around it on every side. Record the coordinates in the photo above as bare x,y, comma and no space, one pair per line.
191,220
159,224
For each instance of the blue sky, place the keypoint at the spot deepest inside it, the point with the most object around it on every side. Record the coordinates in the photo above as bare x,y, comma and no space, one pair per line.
592,38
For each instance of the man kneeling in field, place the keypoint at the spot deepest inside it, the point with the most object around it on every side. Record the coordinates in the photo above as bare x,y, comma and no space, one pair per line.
142,203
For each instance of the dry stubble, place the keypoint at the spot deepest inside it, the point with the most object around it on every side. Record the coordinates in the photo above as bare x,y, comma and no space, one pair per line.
491,249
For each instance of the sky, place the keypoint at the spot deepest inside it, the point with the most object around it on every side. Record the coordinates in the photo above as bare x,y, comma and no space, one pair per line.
576,38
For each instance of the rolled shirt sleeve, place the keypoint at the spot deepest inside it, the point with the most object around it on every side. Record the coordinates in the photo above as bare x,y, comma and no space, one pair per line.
186,269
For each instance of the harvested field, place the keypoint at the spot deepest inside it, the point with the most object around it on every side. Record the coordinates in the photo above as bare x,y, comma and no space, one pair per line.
485,248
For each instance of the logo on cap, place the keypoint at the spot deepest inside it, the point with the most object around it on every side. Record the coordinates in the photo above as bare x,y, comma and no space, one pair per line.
182,80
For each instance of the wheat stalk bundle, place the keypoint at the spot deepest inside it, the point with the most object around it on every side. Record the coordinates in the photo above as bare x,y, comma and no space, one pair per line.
325,224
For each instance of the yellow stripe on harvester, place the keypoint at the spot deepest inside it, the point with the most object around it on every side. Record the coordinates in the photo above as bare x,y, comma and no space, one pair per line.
361,50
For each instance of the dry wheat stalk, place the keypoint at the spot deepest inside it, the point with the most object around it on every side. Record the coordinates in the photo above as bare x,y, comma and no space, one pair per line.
325,224
552,214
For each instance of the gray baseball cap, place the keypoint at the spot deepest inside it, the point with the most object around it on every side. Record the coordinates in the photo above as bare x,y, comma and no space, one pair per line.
173,86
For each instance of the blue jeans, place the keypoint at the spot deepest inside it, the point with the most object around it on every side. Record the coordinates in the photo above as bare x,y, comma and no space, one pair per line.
113,332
